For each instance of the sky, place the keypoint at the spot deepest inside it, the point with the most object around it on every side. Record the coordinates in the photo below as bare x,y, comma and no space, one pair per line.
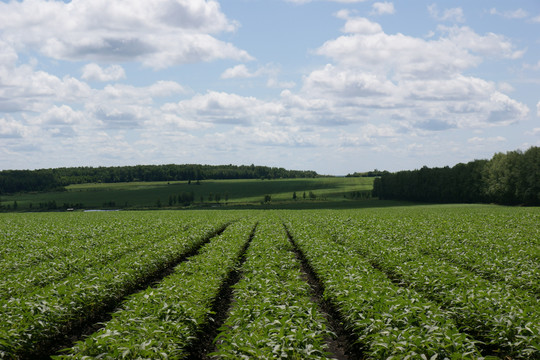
337,86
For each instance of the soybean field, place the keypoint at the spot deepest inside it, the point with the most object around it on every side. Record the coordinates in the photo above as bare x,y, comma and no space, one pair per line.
409,282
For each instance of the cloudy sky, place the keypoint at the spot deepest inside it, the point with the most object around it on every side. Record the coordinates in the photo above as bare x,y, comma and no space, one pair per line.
332,86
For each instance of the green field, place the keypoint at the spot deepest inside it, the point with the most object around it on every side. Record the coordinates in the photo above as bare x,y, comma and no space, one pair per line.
328,192
415,282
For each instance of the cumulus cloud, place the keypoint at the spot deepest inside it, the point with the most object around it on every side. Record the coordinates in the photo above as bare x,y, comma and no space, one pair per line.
223,108
347,83
369,47
381,8
336,1
452,15
9,128
158,33
94,72
28,90
238,71
60,115
418,83
270,71
458,48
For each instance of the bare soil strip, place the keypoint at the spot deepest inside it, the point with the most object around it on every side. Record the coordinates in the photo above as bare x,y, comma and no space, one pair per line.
203,345
343,346
94,322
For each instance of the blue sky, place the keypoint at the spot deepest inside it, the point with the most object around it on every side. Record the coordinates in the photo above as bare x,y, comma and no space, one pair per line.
331,86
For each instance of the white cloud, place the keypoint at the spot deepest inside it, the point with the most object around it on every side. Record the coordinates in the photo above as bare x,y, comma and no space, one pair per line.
538,109
238,71
337,1
242,72
482,141
361,26
417,84
406,55
510,14
138,95
346,83
24,89
9,128
223,108
534,67
358,25
505,87
458,48
8,55
158,33
94,72
490,44
452,15
381,8
60,115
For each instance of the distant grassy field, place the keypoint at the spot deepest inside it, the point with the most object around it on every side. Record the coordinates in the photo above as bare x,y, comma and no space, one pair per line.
319,192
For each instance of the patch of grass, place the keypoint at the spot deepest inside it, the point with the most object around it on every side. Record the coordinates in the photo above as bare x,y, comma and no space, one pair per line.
326,191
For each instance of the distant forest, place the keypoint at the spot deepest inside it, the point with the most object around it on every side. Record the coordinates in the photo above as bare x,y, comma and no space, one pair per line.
12,181
512,178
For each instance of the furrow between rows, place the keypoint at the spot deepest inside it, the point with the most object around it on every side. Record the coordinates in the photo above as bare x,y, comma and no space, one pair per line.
201,346
272,315
342,346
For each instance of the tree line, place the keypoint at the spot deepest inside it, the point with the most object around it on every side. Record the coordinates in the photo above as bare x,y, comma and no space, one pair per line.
12,181
511,178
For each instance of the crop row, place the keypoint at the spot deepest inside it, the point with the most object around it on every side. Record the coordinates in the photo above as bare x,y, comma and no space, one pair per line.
500,245
31,322
504,319
162,321
34,239
387,321
272,316
75,255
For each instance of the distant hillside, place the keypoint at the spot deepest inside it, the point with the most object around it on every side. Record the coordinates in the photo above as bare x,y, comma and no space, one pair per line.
12,181
278,193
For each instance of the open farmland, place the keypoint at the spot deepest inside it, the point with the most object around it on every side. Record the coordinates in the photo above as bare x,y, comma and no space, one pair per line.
310,192
422,282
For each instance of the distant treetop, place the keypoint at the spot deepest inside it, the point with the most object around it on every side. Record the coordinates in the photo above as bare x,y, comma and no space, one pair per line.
12,181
